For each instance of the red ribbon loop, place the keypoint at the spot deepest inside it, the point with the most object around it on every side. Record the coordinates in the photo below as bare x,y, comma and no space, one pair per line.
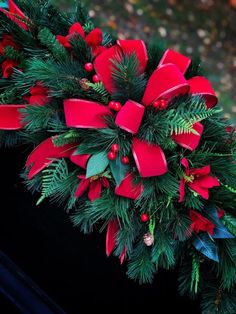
10,117
149,158
166,82
80,113
43,155
128,189
199,85
174,57
189,140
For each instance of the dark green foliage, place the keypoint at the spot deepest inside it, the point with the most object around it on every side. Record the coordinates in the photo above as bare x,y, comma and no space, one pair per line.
129,83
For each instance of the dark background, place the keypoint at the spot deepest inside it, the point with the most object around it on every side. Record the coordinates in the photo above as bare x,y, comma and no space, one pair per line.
70,267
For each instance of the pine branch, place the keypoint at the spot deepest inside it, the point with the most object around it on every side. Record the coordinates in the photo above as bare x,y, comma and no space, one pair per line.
49,40
129,83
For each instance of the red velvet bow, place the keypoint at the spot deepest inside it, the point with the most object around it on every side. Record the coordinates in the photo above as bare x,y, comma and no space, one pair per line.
198,180
7,40
44,154
15,14
166,82
93,185
93,39
200,223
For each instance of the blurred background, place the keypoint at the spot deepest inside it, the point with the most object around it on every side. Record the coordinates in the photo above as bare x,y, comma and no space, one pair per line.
205,28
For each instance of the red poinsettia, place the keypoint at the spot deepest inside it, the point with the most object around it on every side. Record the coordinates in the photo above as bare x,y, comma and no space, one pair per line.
93,39
7,40
197,179
7,67
38,95
93,185
200,223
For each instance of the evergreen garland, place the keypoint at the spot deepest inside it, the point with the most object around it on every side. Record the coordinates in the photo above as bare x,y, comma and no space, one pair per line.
167,220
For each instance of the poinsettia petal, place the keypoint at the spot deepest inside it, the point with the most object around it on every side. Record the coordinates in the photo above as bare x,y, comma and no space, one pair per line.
94,38
77,28
83,186
181,190
203,192
105,182
95,190
207,182
201,171
63,40
185,163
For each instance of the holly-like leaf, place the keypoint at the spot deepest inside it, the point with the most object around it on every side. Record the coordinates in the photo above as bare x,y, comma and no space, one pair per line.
4,4
206,246
97,164
118,170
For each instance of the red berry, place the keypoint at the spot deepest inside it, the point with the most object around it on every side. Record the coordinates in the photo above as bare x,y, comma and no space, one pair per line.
111,155
144,217
163,104
115,148
125,160
96,79
88,67
115,105
160,104
156,104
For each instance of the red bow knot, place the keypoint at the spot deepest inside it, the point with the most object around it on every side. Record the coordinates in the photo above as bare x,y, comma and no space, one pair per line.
7,40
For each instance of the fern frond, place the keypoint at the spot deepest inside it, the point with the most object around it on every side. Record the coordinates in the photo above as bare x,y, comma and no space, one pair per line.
54,174
100,90
195,275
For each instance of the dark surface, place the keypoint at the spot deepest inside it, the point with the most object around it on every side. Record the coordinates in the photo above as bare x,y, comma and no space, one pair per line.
72,268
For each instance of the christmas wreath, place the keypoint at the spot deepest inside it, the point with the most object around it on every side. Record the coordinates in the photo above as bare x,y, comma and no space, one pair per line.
129,138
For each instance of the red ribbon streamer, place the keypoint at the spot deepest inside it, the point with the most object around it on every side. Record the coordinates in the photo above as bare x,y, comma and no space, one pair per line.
15,14
10,117
112,230
44,154
80,113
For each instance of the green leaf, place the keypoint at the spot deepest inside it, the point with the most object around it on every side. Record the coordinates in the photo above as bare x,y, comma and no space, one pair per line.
118,170
97,164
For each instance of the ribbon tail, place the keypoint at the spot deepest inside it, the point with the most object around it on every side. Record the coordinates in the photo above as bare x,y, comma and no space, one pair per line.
43,155
10,117
112,230
15,14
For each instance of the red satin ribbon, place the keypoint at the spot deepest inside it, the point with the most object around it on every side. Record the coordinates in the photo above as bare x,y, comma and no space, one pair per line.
10,117
15,14
44,154
128,189
80,113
